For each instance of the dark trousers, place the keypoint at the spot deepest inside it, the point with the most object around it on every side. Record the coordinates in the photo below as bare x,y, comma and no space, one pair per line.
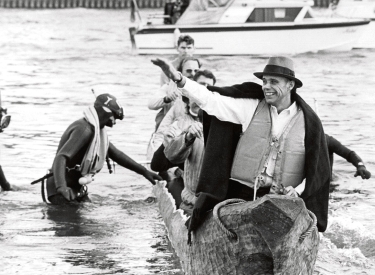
240,191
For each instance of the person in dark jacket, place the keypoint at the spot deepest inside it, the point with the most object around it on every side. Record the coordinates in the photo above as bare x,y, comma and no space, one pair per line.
254,144
335,147
4,122
83,150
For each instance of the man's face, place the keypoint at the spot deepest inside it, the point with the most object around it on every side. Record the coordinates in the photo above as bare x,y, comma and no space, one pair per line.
185,50
111,119
276,89
205,81
190,68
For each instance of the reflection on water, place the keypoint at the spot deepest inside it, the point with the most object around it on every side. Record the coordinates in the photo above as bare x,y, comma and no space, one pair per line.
50,61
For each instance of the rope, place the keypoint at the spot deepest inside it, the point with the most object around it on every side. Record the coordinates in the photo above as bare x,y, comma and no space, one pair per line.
311,226
233,235
217,207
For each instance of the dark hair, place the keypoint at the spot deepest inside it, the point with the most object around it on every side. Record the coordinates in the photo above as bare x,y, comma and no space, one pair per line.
179,68
205,73
185,38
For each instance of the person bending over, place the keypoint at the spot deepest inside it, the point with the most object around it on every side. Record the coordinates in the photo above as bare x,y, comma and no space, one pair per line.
83,150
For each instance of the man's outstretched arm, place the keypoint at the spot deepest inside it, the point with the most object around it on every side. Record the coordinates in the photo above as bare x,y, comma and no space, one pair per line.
235,110
334,146
127,162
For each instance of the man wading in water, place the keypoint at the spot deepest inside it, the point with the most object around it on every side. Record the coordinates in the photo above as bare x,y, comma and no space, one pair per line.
83,150
4,122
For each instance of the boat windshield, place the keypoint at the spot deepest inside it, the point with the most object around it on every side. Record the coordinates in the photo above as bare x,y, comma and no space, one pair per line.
204,12
260,15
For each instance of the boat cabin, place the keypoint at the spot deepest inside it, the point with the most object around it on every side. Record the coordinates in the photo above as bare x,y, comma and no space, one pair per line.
202,12
356,9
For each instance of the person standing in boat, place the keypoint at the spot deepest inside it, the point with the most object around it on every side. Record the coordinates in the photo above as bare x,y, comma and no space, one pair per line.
83,150
185,48
168,94
253,144
183,144
203,77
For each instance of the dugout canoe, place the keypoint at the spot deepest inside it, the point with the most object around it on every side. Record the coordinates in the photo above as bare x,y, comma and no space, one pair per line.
275,235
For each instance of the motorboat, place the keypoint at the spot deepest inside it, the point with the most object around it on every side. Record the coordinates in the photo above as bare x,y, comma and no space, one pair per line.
249,27
364,9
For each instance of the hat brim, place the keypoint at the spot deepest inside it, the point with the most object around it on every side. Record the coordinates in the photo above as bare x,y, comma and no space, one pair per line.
296,80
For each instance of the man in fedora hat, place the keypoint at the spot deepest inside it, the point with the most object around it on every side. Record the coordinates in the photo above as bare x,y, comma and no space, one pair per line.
266,141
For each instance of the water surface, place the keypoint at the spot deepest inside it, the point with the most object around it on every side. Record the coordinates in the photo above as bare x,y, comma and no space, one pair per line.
50,61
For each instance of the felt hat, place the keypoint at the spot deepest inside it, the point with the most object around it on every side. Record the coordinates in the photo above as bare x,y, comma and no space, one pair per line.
109,101
280,66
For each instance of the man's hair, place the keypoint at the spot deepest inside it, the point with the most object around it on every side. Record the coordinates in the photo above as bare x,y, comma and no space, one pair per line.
179,68
185,38
205,73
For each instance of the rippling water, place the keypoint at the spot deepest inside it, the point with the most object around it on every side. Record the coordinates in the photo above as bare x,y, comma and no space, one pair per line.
50,61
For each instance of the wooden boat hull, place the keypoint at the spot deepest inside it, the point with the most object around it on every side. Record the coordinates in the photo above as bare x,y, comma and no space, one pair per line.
268,237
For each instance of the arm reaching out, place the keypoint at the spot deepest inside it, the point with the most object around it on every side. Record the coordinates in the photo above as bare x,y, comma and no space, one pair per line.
334,146
127,162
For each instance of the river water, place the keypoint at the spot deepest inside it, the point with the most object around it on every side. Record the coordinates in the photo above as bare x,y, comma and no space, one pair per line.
50,61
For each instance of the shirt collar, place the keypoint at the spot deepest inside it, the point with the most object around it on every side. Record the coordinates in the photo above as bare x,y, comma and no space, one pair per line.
292,110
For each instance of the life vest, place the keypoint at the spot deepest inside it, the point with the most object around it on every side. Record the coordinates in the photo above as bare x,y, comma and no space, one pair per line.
257,147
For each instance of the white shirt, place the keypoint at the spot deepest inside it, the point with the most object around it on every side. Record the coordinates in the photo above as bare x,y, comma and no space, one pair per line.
236,110
279,122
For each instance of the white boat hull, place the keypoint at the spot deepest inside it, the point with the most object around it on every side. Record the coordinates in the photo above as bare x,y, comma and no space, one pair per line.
367,39
289,38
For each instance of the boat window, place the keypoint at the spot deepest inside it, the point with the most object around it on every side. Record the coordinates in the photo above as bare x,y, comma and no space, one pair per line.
201,12
273,15
217,3
308,15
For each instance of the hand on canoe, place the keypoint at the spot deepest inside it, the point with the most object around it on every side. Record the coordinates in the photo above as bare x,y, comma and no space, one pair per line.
151,177
290,191
363,172
167,67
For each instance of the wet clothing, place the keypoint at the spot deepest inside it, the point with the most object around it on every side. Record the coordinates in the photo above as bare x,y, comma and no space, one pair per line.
71,150
222,138
335,147
4,184
72,147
